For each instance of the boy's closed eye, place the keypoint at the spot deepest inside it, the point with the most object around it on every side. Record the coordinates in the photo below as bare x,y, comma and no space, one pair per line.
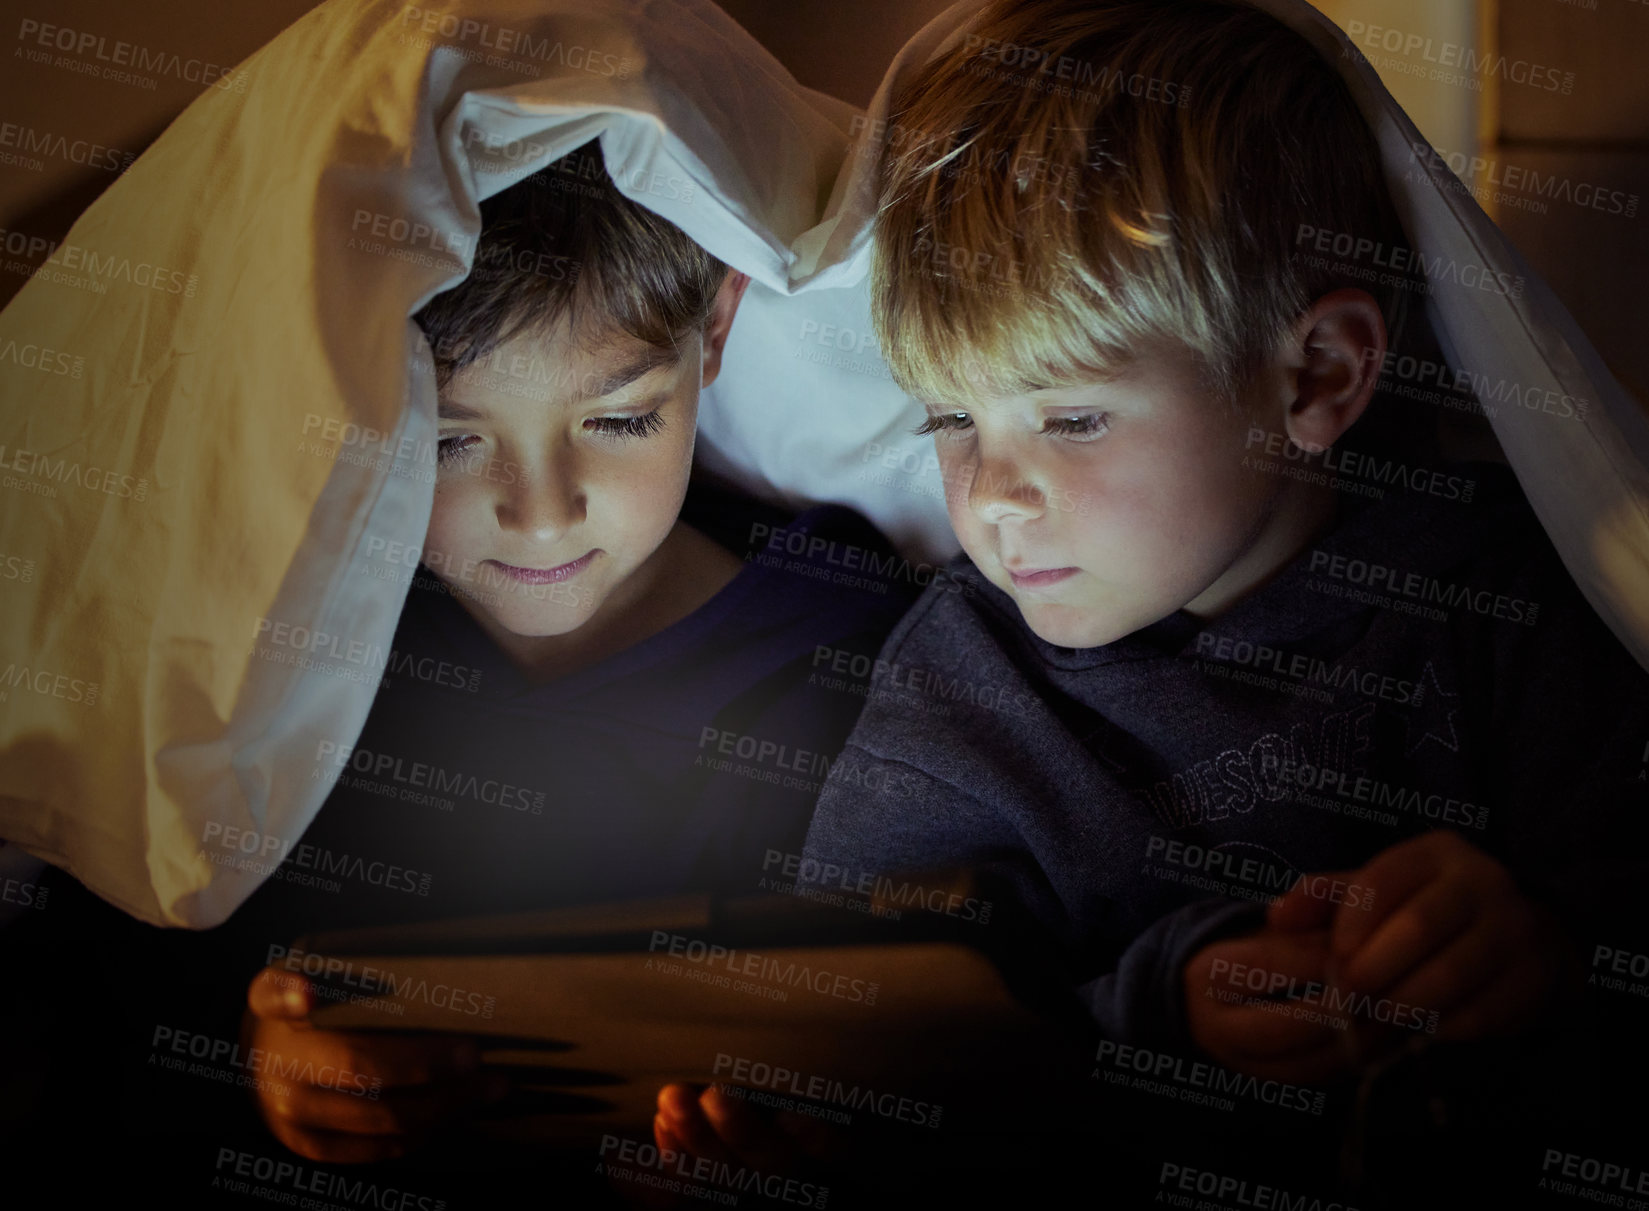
644,425
1084,426
454,447
938,421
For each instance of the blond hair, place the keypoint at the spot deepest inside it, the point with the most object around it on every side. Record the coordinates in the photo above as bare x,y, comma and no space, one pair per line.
1075,182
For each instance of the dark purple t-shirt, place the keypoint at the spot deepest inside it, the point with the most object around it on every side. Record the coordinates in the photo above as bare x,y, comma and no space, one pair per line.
674,766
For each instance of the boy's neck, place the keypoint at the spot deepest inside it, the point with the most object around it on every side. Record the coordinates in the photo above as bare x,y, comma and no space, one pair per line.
1299,514
685,572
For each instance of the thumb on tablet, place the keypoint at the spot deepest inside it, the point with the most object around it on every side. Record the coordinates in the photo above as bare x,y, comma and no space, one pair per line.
276,993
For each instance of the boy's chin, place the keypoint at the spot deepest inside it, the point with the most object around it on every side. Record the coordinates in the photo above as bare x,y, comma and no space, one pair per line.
527,618
1067,626
539,622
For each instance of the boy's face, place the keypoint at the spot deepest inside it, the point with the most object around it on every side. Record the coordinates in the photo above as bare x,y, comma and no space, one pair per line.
1103,508
563,466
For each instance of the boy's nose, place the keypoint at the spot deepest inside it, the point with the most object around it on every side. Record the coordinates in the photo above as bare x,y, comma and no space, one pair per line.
1000,492
541,505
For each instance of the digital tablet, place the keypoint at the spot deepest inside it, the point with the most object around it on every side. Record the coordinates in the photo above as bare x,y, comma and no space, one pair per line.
849,1010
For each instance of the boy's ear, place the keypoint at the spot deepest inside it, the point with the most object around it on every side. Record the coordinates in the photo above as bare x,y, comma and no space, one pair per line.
721,323
1333,362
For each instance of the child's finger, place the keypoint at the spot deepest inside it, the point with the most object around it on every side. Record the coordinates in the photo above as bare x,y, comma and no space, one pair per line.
1297,910
1394,876
279,994
1410,935
1260,992
664,1137
338,1149
1455,973
756,1139
1227,974
1269,962
684,1118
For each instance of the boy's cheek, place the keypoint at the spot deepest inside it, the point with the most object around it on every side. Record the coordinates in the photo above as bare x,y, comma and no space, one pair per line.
444,545
956,474
974,536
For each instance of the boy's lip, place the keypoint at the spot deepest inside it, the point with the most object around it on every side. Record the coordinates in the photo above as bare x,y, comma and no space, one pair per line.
1037,578
546,575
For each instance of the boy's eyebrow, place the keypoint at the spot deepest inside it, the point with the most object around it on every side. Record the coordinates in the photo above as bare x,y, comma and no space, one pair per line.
445,409
654,358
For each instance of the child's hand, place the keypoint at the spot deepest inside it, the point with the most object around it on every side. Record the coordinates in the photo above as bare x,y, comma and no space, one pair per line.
713,1124
346,1096
1231,1019
1448,931
698,1121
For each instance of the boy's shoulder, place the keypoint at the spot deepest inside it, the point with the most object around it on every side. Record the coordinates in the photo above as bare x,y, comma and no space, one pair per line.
1470,543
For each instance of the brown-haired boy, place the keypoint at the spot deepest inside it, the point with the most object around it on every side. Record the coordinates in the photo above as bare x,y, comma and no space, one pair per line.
609,650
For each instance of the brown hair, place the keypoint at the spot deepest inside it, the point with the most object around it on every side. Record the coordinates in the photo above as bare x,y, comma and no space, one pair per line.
1073,182
565,244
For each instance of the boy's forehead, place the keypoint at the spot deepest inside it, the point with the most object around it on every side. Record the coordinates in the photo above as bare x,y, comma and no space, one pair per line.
596,345
1032,387
620,359
1155,371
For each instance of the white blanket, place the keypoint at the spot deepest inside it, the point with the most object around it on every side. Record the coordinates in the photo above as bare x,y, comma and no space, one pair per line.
218,417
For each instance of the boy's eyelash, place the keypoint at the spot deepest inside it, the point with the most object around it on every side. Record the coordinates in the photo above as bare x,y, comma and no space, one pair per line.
1089,424
628,426
943,420
449,449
